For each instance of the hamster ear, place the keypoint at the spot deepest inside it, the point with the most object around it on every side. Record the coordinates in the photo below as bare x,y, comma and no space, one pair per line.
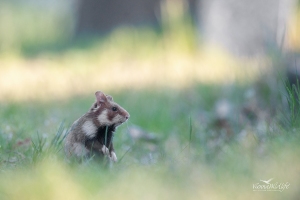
100,96
94,107
109,97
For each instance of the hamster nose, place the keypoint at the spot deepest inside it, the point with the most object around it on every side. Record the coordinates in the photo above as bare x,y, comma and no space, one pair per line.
127,116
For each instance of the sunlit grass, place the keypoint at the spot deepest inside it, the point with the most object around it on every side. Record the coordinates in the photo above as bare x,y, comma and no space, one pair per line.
61,76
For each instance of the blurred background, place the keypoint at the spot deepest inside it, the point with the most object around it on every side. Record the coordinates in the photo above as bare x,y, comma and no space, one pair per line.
90,44
211,86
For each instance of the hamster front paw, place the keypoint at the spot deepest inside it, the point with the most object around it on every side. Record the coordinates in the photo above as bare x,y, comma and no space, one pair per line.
105,150
113,156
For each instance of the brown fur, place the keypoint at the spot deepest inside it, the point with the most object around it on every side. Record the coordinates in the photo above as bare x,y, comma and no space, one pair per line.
89,133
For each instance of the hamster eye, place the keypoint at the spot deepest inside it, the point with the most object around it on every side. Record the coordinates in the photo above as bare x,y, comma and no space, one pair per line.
114,108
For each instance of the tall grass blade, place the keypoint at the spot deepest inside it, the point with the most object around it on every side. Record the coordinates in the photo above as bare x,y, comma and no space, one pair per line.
122,157
190,132
105,139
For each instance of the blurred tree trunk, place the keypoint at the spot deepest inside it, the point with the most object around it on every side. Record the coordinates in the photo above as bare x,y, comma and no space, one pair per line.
244,27
101,16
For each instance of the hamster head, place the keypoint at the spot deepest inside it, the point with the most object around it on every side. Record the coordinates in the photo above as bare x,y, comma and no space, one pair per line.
107,112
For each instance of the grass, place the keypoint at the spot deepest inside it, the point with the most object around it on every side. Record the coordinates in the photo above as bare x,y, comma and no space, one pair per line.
212,166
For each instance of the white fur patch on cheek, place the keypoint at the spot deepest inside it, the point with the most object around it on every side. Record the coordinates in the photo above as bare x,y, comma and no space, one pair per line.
117,119
89,129
102,118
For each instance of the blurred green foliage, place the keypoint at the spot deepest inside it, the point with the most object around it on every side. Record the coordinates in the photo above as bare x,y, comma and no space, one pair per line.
29,27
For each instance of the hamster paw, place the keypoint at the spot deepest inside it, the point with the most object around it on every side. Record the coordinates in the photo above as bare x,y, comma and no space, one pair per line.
105,150
113,156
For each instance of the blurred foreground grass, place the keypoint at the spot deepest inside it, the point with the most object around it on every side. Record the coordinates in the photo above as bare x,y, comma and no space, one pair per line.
220,124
